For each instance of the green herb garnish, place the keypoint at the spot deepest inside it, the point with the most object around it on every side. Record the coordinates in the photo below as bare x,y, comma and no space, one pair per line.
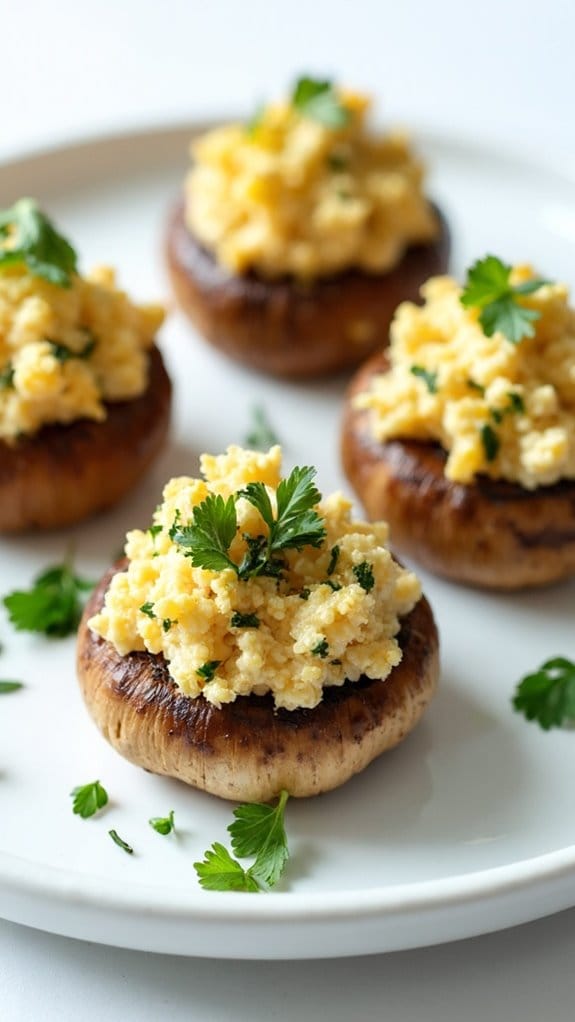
364,575
262,435
333,559
490,441
548,695
208,670
487,287
163,824
147,609
214,526
88,799
63,354
52,606
429,378
337,162
7,377
240,620
120,842
476,386
10,686
28,236
319,101
167,623
304,594
155,530
321,649
258,830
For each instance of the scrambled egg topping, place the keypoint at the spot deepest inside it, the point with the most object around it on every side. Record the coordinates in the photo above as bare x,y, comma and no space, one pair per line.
64,352
293,196
313,628
501,409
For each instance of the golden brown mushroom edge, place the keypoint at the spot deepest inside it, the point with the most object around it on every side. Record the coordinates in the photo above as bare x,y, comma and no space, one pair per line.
493,533
288,328
65,473
247,750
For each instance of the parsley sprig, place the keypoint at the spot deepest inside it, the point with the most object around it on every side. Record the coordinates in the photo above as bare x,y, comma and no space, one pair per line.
207,540
53,605
28,236
318,100
488,288
258,830
548,695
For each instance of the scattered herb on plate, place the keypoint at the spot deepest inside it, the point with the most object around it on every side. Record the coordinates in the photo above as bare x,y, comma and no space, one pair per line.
163,824
258,830
120,842
53,605
89,799
548,695
10,686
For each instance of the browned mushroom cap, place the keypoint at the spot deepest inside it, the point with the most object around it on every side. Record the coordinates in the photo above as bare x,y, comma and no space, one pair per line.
288,328
63,474
492,533
247,750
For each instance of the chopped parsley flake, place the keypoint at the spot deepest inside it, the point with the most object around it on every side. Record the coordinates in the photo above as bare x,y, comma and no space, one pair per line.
364,575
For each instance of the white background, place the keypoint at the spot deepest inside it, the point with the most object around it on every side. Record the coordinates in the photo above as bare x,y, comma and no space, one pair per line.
502,70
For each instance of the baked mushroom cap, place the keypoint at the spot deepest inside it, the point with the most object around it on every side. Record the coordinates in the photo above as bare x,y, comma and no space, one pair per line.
493,533
65,473
289,328
247,750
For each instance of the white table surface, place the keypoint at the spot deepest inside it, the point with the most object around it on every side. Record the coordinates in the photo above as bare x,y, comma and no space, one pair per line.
499,68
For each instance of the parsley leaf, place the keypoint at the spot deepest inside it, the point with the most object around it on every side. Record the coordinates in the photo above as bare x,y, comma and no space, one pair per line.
490,441
52,606
28,236
207,540
261,436
548,695
167,623
147,609
240,620
7,377
487,287
63,354
333,559
429,378
207,670
220,872
321,649
259,830
120,842
88,799
364,575
318,100
10,686
163,824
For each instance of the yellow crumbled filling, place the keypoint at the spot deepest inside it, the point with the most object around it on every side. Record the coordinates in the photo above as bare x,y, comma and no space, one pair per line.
522,394
188,610
293,196
66,351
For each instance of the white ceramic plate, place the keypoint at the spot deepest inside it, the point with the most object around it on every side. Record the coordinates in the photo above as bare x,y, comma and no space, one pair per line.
467,827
